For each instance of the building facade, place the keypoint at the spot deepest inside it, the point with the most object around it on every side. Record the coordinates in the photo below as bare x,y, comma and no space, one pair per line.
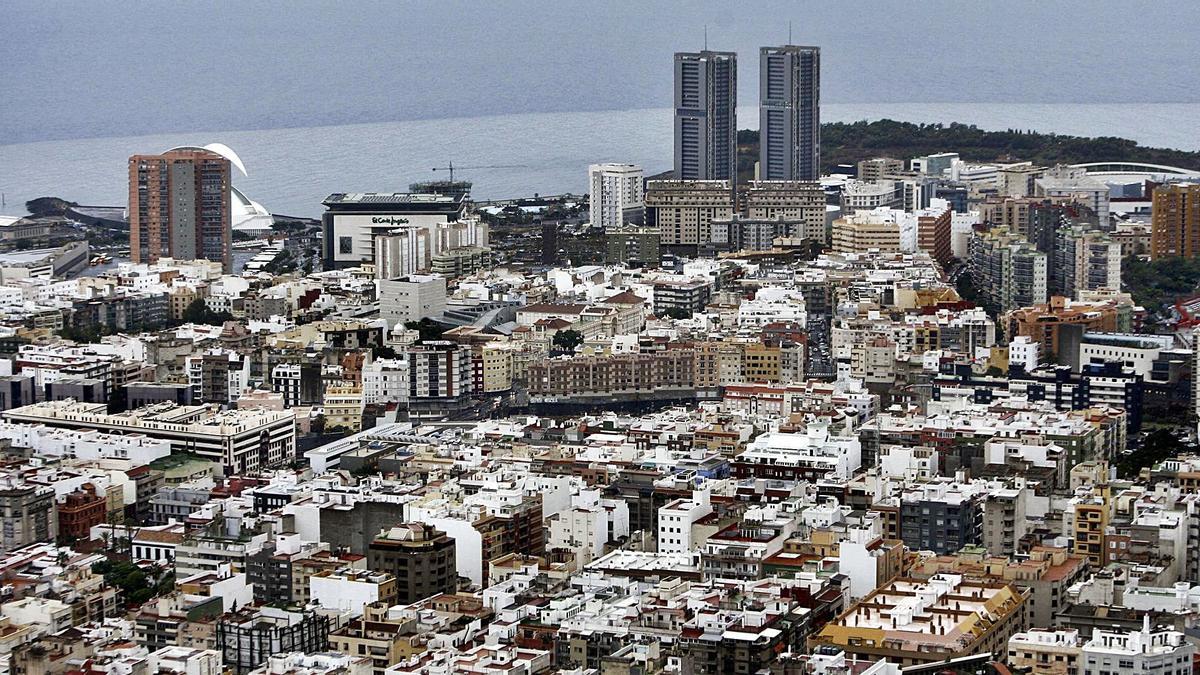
794,200
706,116
354,221
682,211
1175,221
789,113
27,513
420,557
615,194
180,207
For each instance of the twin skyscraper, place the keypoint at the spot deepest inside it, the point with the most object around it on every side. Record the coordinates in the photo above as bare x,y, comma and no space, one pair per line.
789,83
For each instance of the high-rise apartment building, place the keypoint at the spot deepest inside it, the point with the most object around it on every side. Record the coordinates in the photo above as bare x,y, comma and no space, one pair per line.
439,384
1084,260
614,194
1175,221
1009,271
706,116
789,113
180,206
802,201
683,210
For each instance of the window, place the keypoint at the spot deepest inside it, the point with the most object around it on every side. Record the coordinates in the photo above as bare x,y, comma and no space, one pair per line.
345,244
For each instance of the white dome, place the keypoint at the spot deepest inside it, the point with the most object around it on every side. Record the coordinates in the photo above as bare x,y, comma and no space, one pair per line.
248,214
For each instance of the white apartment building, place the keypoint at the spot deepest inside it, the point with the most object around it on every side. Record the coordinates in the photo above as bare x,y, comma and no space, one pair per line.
860,195
588,524
1157,652
86,444
402,251
385,381
815,451
975,175
675,521
347,590
186,661
615,194
1023,351
772,304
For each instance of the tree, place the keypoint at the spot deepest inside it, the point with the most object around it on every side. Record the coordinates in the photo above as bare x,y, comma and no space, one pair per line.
1159,445
82,334
385,352
427,328
197,311
567,340
136,585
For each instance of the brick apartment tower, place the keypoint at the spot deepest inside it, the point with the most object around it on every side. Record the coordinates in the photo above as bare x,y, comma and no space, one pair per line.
179,207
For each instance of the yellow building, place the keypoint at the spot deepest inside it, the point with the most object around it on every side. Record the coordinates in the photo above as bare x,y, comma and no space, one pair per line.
912,622
760,363
181,297
707,371
866,230
497,363
343,408
1175,221
1091,521
384,640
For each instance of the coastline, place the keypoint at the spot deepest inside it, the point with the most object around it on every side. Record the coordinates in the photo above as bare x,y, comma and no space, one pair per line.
292,169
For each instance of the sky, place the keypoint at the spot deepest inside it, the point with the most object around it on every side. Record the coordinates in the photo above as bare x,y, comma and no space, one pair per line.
73,69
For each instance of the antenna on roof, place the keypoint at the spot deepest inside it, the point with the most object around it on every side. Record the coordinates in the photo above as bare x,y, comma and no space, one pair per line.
705,37
789,32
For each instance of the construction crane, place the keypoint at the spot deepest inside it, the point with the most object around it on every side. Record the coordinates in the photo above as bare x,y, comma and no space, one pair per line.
451,168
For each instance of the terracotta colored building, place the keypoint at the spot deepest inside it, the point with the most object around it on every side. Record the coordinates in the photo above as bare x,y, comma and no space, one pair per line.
80,511
1041,322
180,206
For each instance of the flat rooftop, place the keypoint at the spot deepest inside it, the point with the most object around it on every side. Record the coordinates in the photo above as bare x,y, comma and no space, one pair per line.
28,257
391,198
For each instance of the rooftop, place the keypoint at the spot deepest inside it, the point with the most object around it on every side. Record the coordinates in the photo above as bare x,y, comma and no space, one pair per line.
390,198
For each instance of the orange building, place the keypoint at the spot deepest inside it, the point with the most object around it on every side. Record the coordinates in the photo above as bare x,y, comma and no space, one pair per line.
180,206
1175,221
1041,323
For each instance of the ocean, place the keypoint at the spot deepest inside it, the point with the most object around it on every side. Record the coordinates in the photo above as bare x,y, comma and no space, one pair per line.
290,170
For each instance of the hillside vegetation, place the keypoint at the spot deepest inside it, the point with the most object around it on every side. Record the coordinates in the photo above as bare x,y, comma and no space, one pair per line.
848,143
